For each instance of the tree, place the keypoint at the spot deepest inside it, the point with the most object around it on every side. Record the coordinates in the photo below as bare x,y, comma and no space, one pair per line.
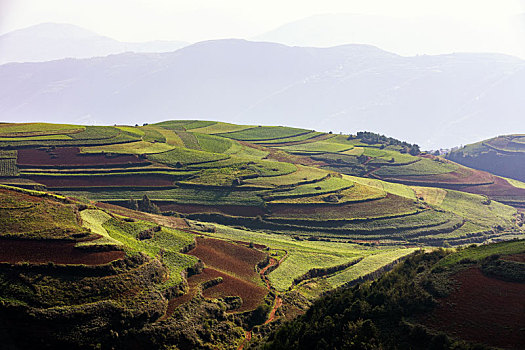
132,204
148,206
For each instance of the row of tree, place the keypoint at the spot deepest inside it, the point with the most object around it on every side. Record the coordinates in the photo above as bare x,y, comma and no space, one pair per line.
372,138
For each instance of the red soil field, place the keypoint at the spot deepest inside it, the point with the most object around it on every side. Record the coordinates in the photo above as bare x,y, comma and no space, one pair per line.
230,258
104,181
234,210
58,252
252,295
500,187
237,260
483,310
515,257
456,178
71,156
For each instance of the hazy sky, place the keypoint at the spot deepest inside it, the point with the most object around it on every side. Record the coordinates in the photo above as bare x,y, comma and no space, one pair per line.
197,20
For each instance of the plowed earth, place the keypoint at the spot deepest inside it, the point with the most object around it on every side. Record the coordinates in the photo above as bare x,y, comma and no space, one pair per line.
71,156
58,252
483,310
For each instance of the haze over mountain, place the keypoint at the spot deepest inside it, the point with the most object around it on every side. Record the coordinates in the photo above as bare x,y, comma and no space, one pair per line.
435,101
405,36
51,41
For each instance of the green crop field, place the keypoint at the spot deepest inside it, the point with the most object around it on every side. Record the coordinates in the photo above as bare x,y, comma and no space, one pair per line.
299,138
138,147
483,251
220,127
210,143
181,125
264,133
183,195
303,174
331,184
472,207
35,129
319,146
185,156
8,167
421,168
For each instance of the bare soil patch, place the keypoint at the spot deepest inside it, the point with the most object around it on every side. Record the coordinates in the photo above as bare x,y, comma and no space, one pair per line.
58,252
71,156
228,257
483,310
134,180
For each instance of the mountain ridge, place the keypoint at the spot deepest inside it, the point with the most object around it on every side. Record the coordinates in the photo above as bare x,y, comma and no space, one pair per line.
352,87
51,41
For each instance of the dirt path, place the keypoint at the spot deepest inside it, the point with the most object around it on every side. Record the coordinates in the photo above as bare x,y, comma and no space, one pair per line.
278,300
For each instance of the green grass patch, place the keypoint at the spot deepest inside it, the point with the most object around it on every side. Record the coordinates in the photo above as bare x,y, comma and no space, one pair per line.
471,207
183,195
303,174
138,147
264,133
180,156
35,129
420,168
185,124
394,188
220,127
170,241
368,265
480,252
331,184
212,143
297,138
319,146
132,130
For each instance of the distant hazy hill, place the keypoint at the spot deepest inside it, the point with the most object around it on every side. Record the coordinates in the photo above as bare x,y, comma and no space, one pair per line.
502,155
406,36
51,41
435,101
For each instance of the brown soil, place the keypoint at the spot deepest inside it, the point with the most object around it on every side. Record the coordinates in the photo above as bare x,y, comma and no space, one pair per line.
462,176
71,156
58,252
500,187
104,181
483,310
230,258
515,257
251,294
234,210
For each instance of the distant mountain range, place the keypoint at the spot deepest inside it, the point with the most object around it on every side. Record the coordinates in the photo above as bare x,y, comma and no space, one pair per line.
405,36
51,41
435,101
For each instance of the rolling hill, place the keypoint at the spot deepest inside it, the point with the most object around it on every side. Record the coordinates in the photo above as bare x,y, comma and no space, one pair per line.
54,41
462,300
204,234
502,155
348,88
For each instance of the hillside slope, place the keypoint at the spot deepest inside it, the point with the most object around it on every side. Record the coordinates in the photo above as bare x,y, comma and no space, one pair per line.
502,155
469,299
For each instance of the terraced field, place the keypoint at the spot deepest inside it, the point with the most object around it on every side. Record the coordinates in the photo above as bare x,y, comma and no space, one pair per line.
214,172
269,211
